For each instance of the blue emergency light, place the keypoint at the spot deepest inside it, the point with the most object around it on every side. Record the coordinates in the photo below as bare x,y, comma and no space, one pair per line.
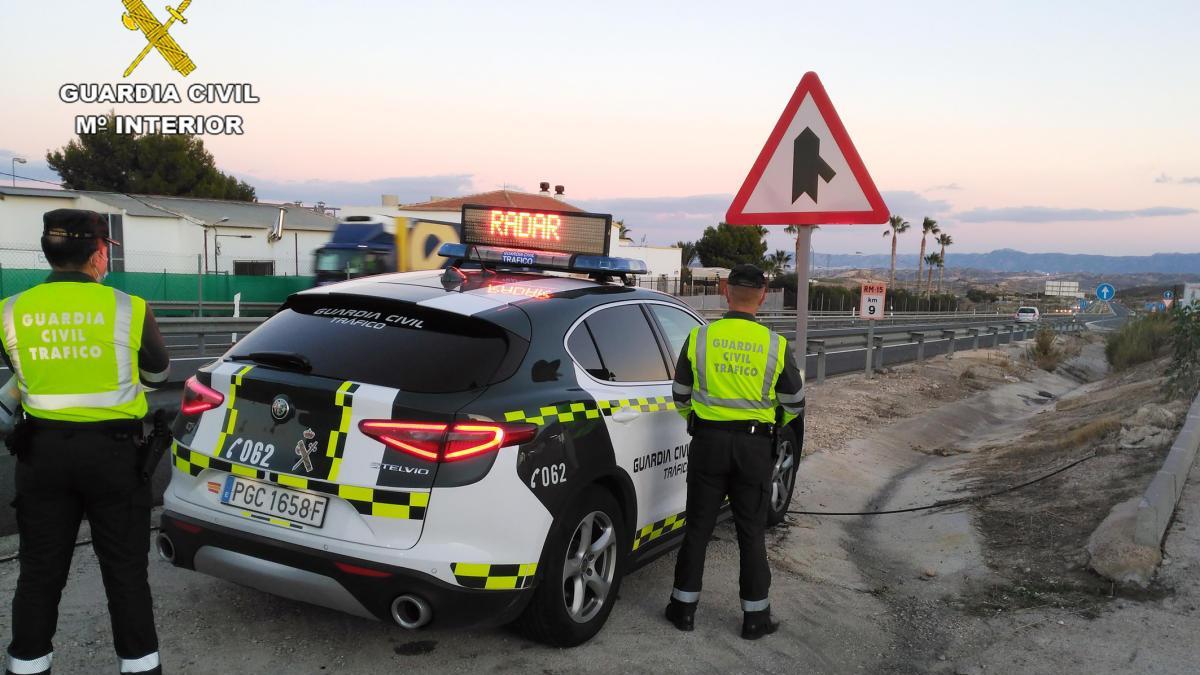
544,260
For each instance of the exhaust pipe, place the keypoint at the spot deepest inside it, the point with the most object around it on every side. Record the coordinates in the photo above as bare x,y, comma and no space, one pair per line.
411,611
166,547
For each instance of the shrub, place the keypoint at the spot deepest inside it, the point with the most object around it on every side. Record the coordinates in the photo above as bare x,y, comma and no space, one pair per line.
1044,352
1183,375
1139,341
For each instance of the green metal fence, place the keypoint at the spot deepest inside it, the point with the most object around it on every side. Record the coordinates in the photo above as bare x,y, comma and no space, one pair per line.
174,287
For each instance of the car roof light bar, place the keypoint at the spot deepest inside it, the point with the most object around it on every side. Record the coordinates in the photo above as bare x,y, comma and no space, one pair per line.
544,260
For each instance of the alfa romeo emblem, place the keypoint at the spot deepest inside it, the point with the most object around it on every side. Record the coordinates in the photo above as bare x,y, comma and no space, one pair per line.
305,448
281,408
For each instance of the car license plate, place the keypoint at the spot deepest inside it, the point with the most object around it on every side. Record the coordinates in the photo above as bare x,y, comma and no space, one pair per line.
273,500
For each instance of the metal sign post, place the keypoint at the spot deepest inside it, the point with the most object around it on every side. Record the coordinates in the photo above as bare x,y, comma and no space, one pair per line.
803,246
870,309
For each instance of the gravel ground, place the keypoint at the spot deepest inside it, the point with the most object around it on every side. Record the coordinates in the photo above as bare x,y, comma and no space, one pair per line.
885,594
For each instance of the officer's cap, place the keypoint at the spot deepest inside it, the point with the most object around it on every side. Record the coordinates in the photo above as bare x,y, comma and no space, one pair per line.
76,224
748,276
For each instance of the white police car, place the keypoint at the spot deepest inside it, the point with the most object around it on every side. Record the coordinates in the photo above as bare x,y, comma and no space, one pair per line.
450,447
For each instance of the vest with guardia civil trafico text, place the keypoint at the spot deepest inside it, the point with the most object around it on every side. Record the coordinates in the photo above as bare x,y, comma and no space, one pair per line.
74,347
735,366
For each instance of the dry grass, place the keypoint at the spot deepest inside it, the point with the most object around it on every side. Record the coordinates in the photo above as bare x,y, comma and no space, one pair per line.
1089,432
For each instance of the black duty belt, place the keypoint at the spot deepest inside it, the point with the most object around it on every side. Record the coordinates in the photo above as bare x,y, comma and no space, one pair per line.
133,428
754,428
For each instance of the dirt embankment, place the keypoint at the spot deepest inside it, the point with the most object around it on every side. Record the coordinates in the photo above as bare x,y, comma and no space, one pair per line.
1035,537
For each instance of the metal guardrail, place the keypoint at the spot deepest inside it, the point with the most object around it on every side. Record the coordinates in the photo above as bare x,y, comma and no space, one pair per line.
200,309
1015,332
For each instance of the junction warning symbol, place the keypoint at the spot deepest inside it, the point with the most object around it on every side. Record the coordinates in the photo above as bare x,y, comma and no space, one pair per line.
809,172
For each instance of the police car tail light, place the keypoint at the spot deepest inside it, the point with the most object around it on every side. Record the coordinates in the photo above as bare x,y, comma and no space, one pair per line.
419,439
441,442
198,398
471,440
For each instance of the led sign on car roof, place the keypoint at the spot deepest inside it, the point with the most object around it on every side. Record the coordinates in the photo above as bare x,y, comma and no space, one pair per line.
568,232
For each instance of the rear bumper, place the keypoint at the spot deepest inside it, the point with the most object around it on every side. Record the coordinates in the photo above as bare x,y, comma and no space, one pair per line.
313,576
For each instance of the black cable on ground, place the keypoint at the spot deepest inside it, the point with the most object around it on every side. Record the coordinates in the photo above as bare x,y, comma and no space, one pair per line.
936,505
948,502
84,542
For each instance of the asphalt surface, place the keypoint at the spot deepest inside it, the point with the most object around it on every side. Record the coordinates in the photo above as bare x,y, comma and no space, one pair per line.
1120,314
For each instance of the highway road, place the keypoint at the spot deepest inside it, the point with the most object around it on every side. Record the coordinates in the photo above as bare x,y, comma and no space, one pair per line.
1120,314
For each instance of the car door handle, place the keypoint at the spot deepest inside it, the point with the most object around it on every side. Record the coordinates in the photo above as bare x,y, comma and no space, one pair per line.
626,415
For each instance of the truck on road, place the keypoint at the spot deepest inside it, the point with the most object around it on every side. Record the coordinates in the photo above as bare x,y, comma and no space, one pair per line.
366,245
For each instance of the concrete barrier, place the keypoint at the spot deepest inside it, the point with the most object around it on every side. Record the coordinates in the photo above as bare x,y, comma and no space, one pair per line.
1158,503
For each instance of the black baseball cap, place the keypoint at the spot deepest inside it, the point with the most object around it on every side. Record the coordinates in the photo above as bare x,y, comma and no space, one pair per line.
76,224
747,275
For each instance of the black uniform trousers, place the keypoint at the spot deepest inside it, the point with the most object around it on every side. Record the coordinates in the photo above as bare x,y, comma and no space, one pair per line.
65,474
735,463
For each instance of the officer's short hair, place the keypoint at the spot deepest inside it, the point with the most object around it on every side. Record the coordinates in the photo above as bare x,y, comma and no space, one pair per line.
69,253
71,236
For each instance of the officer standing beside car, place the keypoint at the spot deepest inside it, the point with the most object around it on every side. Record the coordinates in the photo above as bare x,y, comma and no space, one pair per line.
732,376
82,354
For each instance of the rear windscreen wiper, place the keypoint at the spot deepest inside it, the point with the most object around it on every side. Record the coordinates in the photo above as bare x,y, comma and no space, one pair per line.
290,360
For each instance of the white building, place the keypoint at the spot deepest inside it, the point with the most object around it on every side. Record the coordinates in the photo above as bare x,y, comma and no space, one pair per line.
173,234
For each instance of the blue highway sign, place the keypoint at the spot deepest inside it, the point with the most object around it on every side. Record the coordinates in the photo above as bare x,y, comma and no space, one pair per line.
1168,295
1106,292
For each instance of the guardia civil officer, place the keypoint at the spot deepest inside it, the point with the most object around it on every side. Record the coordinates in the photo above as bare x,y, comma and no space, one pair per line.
731,377
82,354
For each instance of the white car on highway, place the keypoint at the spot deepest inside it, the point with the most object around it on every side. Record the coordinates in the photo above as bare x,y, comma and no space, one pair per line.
1028,315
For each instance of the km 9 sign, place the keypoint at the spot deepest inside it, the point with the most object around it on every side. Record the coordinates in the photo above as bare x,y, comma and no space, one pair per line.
872,305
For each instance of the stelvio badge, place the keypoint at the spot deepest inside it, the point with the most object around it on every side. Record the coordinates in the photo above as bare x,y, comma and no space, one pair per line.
138,17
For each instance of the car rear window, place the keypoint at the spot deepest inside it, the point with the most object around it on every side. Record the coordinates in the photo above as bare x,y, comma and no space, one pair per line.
393,344
1027,310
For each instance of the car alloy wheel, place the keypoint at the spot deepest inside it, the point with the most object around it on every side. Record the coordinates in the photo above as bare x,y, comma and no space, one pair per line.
783,475
590,564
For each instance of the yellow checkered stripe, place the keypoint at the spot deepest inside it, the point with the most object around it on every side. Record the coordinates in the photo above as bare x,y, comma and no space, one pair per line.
494,577
274,521
367,501
655,530
336,447
230,420
579,411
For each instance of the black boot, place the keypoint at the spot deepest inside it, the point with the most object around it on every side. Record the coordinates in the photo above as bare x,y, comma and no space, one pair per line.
758,624
682,614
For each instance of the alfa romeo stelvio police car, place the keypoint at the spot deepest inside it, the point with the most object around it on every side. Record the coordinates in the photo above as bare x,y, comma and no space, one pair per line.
481,444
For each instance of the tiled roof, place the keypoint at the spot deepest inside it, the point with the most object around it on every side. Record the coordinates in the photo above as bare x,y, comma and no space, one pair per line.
521,200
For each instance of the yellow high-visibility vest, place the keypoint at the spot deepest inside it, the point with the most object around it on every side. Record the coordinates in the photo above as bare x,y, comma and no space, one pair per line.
735,366
74,349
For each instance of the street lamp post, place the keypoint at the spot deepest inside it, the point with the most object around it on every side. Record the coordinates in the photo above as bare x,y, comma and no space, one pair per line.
213,225
14,163
217,248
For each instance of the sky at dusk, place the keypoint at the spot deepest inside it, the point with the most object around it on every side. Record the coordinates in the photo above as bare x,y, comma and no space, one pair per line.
1040,126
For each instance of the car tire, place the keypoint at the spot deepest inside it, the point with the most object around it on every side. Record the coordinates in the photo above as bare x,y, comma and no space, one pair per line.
581,572
783,475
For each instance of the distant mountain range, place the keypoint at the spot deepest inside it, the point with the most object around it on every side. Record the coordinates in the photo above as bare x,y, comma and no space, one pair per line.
1009,260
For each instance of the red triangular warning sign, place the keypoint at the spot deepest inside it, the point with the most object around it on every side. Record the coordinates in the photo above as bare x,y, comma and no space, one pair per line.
808,173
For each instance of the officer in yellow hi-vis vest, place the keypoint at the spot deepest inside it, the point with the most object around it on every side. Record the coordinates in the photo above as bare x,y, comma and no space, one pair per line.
82,354
732,376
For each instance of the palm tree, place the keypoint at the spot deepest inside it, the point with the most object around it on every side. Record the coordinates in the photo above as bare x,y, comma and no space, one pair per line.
930,260
778,261
622,231
928,226
945,240
897,225
687,251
